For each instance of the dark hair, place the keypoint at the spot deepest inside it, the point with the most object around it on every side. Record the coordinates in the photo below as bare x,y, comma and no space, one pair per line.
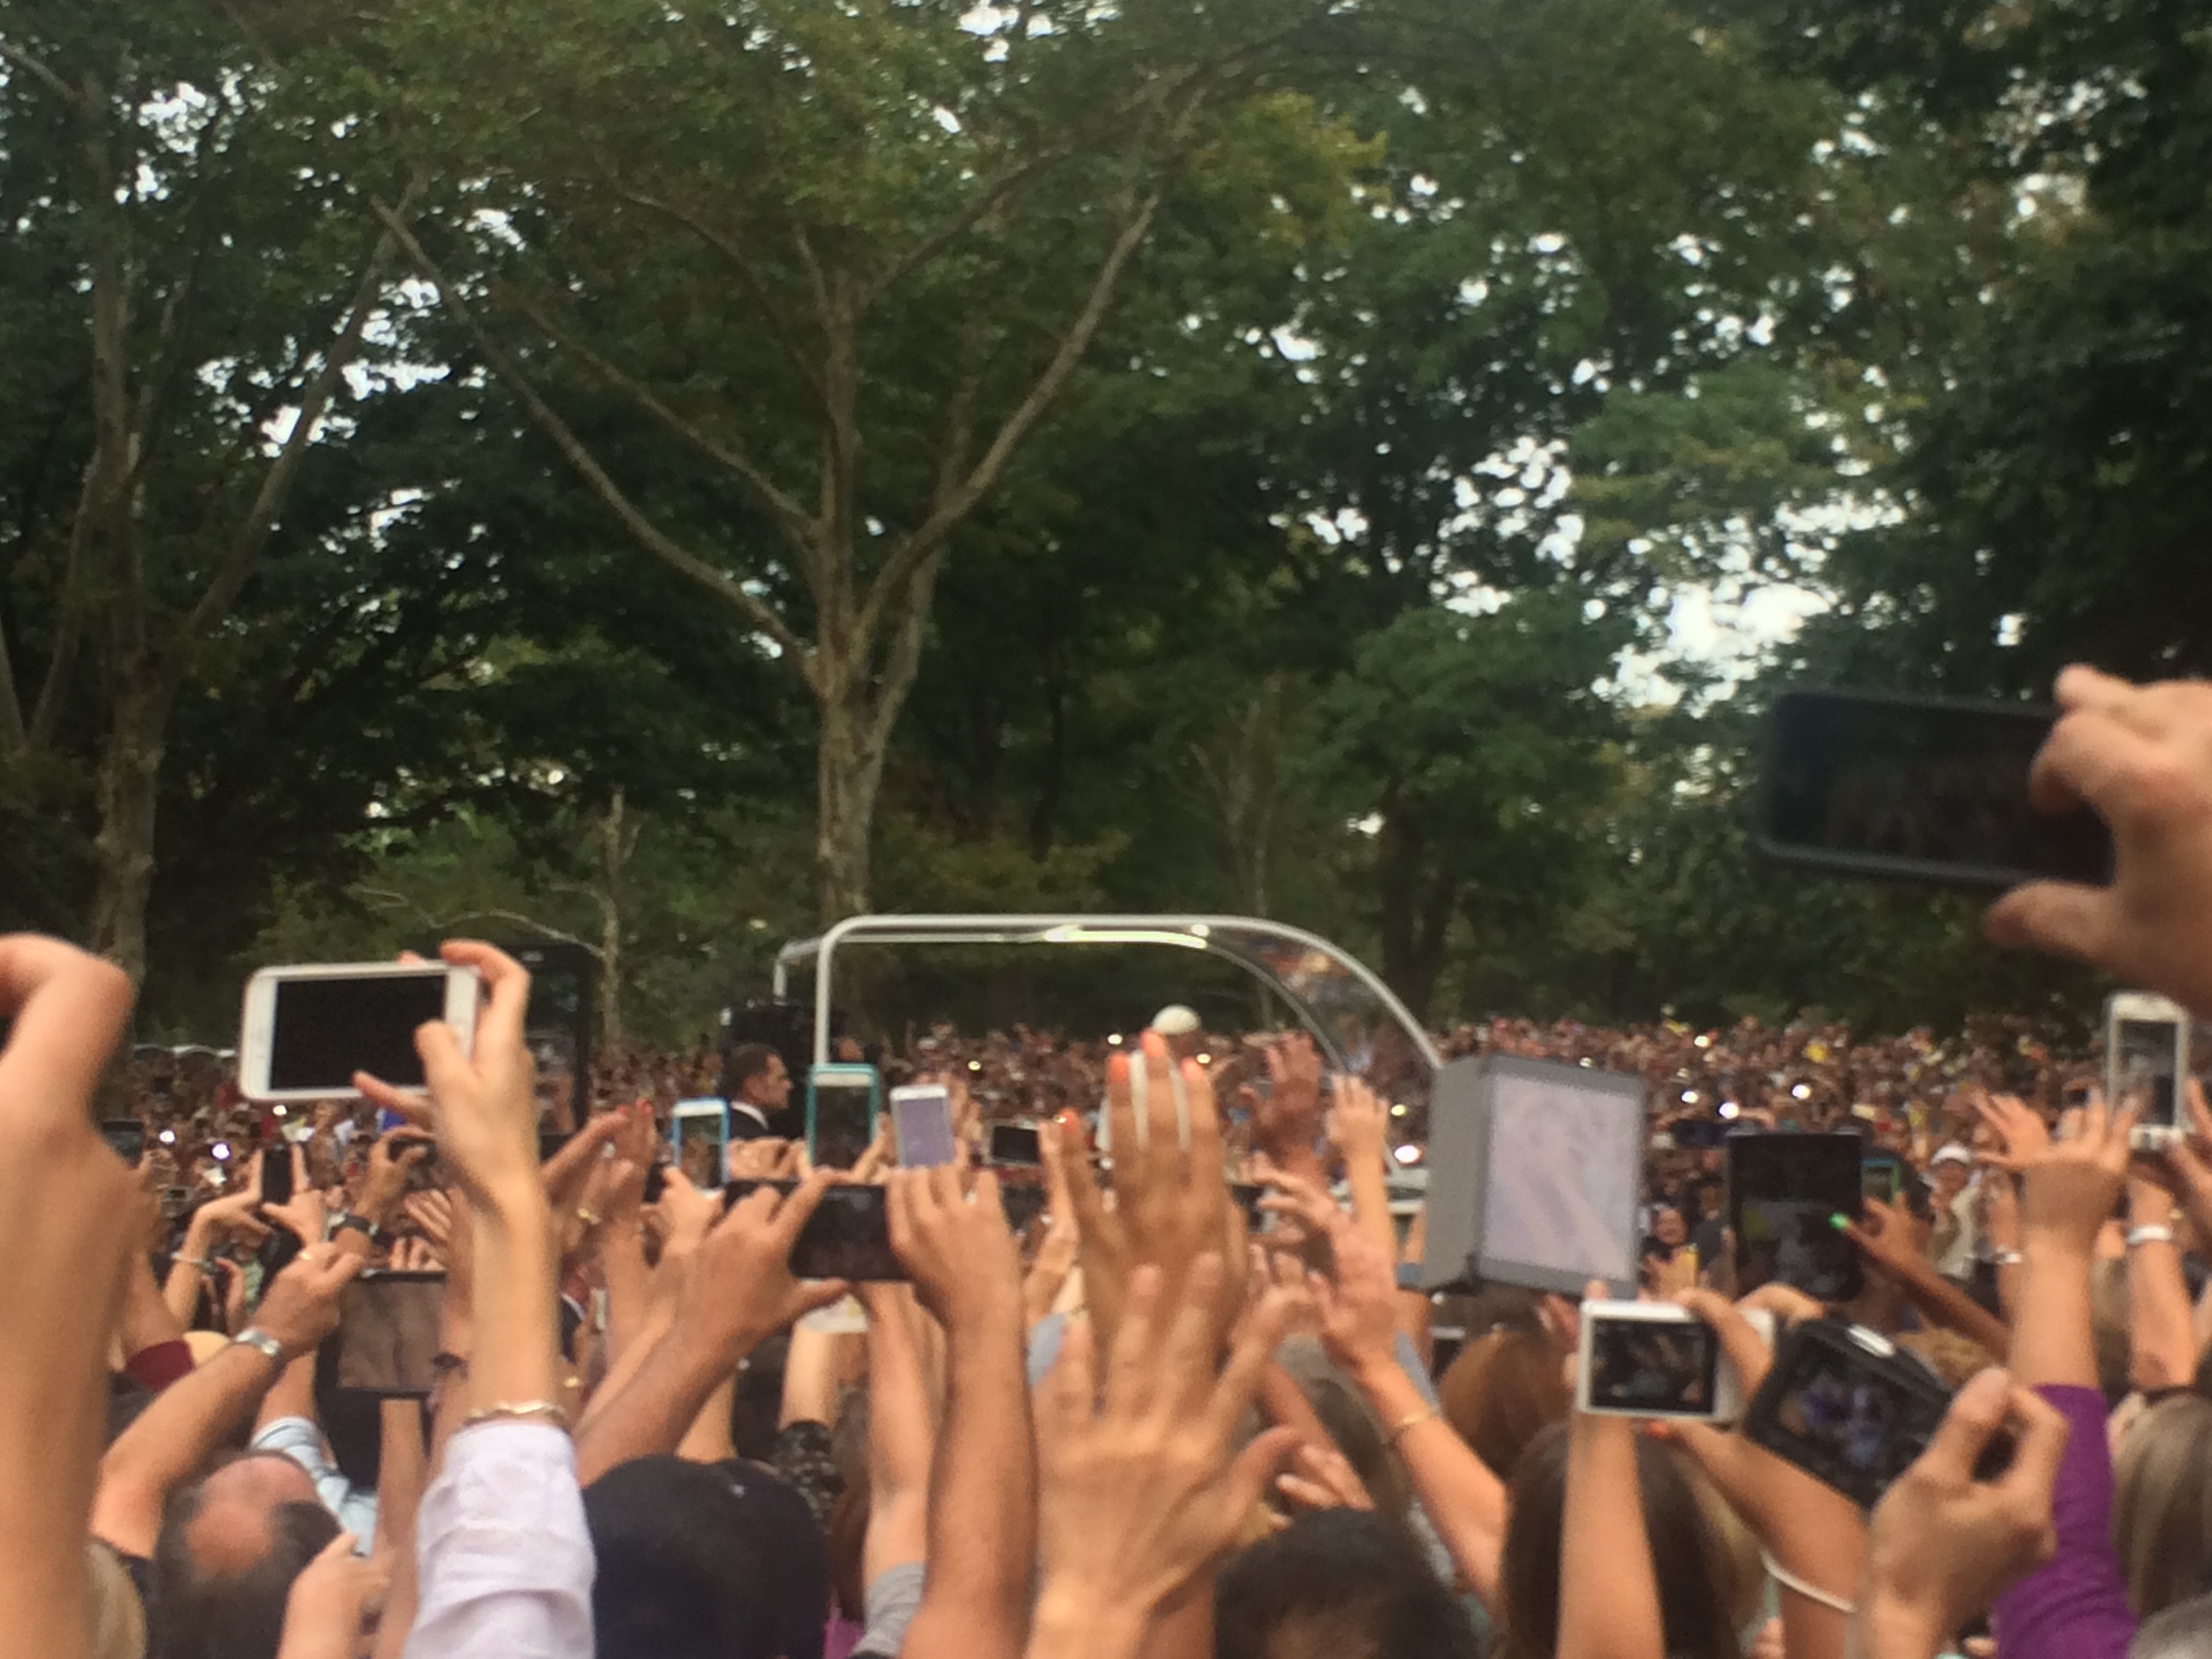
197,1614
1693,1574
742,1064
703,1561
1347,1582
1504,1388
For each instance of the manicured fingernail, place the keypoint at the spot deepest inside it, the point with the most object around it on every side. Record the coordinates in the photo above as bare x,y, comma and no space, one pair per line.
1839,1221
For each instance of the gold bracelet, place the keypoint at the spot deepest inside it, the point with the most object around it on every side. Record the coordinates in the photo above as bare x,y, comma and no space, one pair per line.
1412,1420
520,1410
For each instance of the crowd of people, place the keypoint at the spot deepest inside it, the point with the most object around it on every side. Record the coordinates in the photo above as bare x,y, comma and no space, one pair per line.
1136,1424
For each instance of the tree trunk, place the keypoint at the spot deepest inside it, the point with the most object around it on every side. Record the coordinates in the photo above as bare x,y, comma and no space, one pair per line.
129,786
1412,939
848,767
613,854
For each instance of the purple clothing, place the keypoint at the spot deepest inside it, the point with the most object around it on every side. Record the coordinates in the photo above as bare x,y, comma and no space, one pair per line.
2074,1606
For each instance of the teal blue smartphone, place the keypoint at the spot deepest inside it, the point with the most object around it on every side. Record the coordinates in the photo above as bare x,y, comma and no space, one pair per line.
842,1103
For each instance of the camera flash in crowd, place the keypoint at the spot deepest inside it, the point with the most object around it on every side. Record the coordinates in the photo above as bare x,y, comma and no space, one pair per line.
1689,1097
1729,1109
1803,1091
168,1137
221,1151
1409,1153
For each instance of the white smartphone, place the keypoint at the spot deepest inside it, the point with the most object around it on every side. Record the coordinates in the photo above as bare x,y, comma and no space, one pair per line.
699,1141
922,1125
305,1031
1655,1360
2147,1064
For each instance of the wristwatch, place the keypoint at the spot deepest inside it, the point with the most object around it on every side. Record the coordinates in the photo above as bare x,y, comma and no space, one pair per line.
2153,1235
255,1338
346,1220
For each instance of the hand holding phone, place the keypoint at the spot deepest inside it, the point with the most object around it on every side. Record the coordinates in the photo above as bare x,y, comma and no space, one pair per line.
922,1125
1660,1360
1946,1537
2141,756
745,1280
2146,1065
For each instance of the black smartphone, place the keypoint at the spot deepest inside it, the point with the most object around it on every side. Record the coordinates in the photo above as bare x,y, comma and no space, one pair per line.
387,1333
848,1236
277,1173
1846,1405
1246,1195
1016,1144
125,1137
1785,1193
1919,788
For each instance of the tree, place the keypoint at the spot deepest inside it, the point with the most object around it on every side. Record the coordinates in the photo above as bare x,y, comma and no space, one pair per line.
847,257
1477,749
158,184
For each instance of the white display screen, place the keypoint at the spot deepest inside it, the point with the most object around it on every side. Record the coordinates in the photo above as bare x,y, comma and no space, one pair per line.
1563,1170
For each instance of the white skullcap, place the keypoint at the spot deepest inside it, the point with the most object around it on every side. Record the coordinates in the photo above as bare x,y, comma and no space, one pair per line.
1175,1020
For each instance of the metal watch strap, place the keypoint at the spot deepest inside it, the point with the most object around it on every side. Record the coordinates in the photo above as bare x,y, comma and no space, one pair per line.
258,1339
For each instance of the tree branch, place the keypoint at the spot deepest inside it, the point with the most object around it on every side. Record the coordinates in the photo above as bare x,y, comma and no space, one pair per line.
252,536
955,224
922,543
727,247
790,518
38,72
649,535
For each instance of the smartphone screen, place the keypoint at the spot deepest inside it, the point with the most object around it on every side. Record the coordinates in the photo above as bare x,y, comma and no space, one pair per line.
1881,1176
1843,1415
848,1236
277,1174
1653,1368
921,1124
1930,788
125,1137
699,1134
388,1333
841,1120
1015,1144
2146,1056
324,1030
1785,1191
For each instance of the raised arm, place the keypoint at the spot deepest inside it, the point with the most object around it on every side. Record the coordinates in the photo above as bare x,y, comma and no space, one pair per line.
504,1560
1463,1498
982,1498
738,1292
173,1439
901,1435
1608,1591
63,1198
1359,1128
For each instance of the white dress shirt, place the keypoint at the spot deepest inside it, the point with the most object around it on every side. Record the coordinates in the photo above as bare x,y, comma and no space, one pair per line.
503,1558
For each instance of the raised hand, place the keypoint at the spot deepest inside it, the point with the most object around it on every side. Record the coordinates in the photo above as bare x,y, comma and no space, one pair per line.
303,1214
334,1597
1358,1123
1323,1478
1942,1544
484,1105
740,1289
1887,1237
2069,1192
960,1255
1359,1303
2018,1127
64,1209
301,1306
2141,756
1170,1204
1140,1489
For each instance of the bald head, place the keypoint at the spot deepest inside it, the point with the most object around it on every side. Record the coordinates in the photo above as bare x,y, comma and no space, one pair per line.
229,1551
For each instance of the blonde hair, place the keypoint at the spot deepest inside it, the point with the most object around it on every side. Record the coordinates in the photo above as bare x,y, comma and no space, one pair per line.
2162,1503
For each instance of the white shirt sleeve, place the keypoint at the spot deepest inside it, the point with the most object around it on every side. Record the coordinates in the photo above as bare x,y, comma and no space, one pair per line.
504,1560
